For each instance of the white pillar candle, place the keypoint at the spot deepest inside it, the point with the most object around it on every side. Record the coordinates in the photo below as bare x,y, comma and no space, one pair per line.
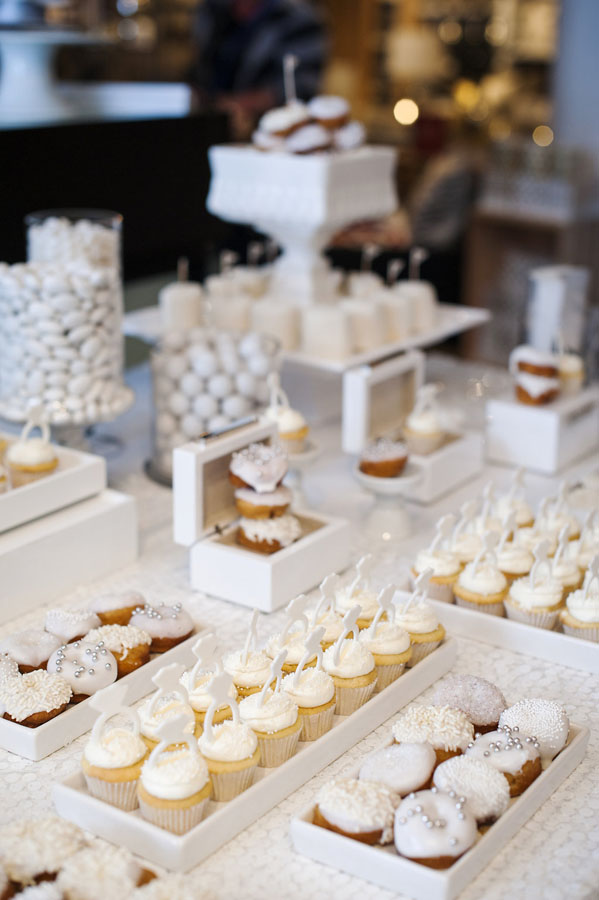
398,314
181,305
278,319
326,332
422,297
366,322
231,313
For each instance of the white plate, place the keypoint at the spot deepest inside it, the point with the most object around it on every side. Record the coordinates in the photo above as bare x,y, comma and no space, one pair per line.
389,487
382,865
225,820
310,454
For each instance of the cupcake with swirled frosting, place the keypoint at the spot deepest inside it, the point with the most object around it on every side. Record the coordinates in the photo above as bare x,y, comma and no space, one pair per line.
352,668
422,624
580,618
534,602
249,670
514,561
446,569
482,586
276,723
174,788
111,764
314,694
391,648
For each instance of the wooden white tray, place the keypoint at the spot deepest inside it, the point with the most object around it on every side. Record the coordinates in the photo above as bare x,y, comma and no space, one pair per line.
78,476
37,743
225,820
383,866
553,646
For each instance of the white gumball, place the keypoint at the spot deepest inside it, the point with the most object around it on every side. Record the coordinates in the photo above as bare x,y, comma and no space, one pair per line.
205,406
191,384
191,425
217,423
166,423
220,386
259,365
230,362
178,403
245,383
236,406
249,345
205,363
176,366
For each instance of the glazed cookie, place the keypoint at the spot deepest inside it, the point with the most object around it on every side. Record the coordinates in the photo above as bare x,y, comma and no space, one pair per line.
308,139
129,645
30,649
516,757
330,111
117,609
262,506
434,828
350,136
85,666
70,624
101,871
268,535
545,719
384,458
359,809
261,467
283,120
485,789
478,699
167,625
447,729
34,698
402,768
33,850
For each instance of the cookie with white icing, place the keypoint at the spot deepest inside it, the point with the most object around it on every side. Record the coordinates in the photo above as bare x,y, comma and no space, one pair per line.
268,535
384,458
253,505
116,609
30,649
478,699
349,136
85,666
514,754
167,625
34,698
434,828
402,768
101,871
356,808
261,467
448,730
35,849
329,111
312,138
284,120
545,719
485,788
70,624
129,645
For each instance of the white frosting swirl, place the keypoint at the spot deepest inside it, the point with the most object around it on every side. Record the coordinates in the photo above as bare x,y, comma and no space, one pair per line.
367,600
585,609
276,713
314,689
354,660
566,571
531,536
293,644
467,546
229,742
388,639
333,625
515,559
174,775
287,419
546,592
484,579
426,421
444,727
116,749
167,707
31,452
254,672
419,618
198,691
507,504
442,562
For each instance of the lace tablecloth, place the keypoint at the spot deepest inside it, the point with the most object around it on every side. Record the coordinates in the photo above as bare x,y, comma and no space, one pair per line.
555,855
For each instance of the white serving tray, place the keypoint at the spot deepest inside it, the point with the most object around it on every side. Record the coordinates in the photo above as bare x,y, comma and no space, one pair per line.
383,866
553,646
225,820
37,743
51,556
79,475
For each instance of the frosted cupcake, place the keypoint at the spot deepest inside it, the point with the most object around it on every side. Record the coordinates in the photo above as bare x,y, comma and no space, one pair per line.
112,759
387,641
423,430
230,749
174,786
444,564
481,586
169,702
532,535
563,568
465,543
325,613
536,599
513,560
514,502
420,620
291,426
249,669
359,592
351,666
555,514
292,638
273,717
197,681
571,373
312,690
580,618
31,458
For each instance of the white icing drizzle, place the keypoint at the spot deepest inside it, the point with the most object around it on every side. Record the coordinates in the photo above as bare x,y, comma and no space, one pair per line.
30,648
31,847
284,529
69,624
545,719
356,806
280,497
384,449
37,691
162,621
442,726
527,354
485,789
431,823
261,466
401,767
506,750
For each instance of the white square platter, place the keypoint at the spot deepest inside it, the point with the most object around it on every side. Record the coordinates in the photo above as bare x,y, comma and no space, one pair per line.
225,820
383,866
37,743
78,476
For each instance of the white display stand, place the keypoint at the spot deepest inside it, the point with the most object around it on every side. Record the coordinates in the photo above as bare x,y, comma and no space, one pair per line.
205,517
543,438
78,476
37,743
53,555
384,867
225,820
457,461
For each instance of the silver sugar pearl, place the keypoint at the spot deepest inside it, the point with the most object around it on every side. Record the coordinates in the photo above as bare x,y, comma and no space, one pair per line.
411,795
76,674
462,799
107,666
471,744
88,651
410,813
428,825
103,652
477,734
515,728
58,669
486,753
452,794
424,818
434,790
75,662
91,671
418,808
402,820
453,842
496,749
461,816
76,644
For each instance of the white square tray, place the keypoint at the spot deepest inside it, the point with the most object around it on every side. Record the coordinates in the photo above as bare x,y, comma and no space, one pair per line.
382,866
37,743
79,475
552,646
225,820
458,460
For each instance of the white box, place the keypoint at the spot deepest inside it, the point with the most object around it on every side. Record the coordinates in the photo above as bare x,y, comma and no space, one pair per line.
384,867
37,743
79,475
378,397
225,820
51,556
458,460
543,438
204,520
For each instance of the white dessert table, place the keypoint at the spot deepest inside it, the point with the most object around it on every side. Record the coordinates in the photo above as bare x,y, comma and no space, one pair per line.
555,855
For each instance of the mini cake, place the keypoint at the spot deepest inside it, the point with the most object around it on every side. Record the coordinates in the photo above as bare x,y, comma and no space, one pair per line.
167,625
30,649
444,564
402,768
448,730
174,785
359,809
101,871
580,618
351,666
514,754
571,372
129,645
117,609
486,790
384,458
167,703
312,690
434,828
274,718
535,362
421,622
312,138
230,749
284,120
535,373
70,624
34,698
387,641
112,759
329,111
536,599
250,671
262,506
268,535
261,467
478,699
546,719
85,666
291,425
31,458
34,850
481,585
423,429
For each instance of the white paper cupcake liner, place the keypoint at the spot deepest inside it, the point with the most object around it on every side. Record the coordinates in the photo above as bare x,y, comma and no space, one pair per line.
227,785
386,675
118,793
177,821
419,651
315,725
349,699
538,618
490,609
277,750
590,633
